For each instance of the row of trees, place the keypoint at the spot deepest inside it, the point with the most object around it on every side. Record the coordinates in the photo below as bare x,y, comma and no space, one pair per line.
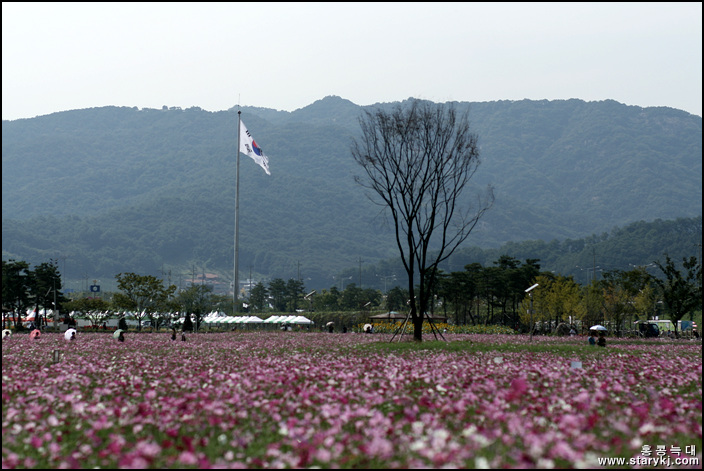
477,295
24,287
144,296
496,295
281,296
486,295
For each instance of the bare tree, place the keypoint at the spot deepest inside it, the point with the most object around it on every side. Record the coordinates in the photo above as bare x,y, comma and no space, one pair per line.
418,159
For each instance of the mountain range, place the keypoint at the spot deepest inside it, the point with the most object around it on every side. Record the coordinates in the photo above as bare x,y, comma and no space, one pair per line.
117,189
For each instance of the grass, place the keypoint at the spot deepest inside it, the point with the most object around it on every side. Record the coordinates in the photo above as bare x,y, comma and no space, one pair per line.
568,349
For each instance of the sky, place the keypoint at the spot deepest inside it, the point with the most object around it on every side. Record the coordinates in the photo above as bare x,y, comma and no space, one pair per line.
285,56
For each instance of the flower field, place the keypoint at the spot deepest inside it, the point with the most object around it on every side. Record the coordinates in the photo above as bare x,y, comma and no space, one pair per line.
301,399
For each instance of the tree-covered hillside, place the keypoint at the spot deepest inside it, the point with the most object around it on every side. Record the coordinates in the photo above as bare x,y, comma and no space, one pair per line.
122,189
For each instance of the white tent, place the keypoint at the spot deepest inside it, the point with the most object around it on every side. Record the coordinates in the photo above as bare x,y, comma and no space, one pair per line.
291,320
211,316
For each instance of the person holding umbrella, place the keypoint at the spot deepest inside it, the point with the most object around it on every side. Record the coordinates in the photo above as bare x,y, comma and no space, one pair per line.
593,335
602,339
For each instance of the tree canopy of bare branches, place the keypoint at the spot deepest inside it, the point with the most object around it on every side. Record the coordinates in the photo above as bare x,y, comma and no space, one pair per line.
418,159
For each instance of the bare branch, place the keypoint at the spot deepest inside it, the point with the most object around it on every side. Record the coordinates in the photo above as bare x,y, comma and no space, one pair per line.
418,159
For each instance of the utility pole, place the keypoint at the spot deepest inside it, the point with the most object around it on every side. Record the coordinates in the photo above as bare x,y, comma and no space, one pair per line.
360,272
530,294
699,260
56,310
531,316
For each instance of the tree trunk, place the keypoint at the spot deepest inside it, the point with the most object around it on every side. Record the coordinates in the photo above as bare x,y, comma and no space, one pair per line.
417,327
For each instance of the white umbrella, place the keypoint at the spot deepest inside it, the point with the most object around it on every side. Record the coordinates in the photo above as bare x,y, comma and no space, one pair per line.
70,333
598,327
6,333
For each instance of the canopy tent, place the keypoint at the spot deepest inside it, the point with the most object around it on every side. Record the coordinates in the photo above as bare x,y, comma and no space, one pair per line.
31,314
232,320
288,320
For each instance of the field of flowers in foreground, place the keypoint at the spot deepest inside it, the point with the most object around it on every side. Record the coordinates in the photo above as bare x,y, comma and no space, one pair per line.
291,399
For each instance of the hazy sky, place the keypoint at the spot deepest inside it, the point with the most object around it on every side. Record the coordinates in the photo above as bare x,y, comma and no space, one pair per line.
62,56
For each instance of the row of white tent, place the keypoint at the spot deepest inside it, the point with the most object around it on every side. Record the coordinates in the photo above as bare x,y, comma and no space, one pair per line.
232,320
218,319
31,313
214,317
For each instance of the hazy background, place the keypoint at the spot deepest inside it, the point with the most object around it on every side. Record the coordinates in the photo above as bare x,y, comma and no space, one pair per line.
61,56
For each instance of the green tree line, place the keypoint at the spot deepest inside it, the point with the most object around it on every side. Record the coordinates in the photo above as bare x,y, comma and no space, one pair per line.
476,295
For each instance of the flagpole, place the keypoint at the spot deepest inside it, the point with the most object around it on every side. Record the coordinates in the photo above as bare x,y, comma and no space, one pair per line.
236,285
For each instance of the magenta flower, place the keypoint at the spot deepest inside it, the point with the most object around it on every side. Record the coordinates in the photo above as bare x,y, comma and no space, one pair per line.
288,400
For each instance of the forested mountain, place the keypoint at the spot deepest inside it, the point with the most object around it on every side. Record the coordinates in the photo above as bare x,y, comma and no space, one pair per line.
112,190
